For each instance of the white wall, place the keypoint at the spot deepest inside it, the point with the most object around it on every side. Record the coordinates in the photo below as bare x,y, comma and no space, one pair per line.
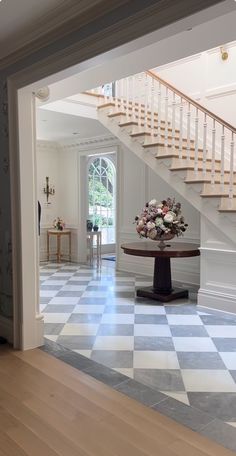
208,79
137,185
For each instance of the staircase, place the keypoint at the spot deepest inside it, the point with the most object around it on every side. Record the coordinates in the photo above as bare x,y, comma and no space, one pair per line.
184,143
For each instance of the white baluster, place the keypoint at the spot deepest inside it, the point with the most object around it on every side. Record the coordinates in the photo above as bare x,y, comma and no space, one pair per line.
188,132
222,158
116,88
173,121
146,104
122,95
152,107
213,154
127,99
231,175
133,99
181,108
140,89
204,144
166,117
196,143
159,113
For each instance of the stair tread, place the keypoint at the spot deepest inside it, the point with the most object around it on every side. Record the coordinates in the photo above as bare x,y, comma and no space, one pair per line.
184,157
156,144
191,168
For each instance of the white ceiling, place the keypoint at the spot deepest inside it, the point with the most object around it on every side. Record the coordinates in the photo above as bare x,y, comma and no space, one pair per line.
55,126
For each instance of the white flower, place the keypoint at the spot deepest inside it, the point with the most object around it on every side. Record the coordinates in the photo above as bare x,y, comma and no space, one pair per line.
141,223
159,221
153,202
160,205
168,218
152,234
159,210
150,225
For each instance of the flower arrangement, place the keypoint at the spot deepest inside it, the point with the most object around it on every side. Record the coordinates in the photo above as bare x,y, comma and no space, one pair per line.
161,219
58,224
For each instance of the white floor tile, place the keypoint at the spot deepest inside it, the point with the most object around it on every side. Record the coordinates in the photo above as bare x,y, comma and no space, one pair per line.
229,359
184,320
48,293
208,381
121,288
126,319
95,294
232,423
221,331
155,360
64,300
86,353
126,371
53,338
42,307
149,310
56,317
194,344
63,274
152,330
114,343
182,397
88,309
79,329
79,279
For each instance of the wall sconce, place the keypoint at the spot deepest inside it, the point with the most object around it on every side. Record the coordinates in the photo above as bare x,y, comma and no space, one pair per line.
48,190
224,53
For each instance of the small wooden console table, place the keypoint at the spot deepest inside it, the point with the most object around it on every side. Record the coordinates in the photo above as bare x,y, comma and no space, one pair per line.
162,286
58,235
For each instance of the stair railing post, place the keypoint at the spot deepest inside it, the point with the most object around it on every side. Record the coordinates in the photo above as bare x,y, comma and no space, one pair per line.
173,121
222,159
213,153
159,113
152,108
117,91
122,95
231,175
166,117
196,143
204,144
181,108
188,131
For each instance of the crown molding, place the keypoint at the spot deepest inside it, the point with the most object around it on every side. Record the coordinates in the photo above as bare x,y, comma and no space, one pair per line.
44,144
94,141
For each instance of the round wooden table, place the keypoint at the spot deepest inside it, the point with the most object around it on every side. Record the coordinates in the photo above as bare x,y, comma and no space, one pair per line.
162,286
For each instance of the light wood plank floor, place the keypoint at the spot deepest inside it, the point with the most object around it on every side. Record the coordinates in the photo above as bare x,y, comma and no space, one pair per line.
48,408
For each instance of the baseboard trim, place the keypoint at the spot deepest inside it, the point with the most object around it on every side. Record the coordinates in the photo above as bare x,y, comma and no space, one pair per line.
215,300
6,329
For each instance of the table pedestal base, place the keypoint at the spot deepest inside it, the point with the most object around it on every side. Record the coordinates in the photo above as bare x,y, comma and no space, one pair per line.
150,293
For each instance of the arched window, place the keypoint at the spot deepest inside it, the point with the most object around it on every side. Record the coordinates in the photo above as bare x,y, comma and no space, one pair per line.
101,196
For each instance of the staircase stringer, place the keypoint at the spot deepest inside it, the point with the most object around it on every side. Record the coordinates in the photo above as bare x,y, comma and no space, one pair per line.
161,168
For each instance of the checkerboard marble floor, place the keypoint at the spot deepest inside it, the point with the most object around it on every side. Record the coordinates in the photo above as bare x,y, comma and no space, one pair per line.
186,352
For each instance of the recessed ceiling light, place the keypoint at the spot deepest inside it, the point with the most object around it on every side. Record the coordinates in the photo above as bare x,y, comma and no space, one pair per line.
75,133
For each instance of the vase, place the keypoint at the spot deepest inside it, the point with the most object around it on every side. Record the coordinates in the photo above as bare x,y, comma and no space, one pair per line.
89,225
162,238
95,228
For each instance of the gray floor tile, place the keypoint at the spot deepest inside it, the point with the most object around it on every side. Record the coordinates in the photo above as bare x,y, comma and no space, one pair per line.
69,294
188,416
153,343
119,309
181,309
113,358
84,318
218,405
43,300
122,294
53,328
97,288
78,282
225,345
222,433
62,278
200,360
58,308
50,287
219,319
105,375
115,330
233,373
188,331
160,379
140,392
151,319
77,342
93,301
76,360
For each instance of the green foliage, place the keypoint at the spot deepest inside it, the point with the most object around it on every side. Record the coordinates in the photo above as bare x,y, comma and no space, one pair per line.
98,194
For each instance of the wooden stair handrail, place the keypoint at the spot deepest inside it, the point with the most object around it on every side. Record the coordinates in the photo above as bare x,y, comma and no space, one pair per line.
191,101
